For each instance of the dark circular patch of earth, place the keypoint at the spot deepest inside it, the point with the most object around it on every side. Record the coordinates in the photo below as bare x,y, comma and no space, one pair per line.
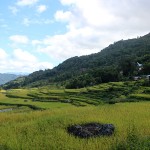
91,130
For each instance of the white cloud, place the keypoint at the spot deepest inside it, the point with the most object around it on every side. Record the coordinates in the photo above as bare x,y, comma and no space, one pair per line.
22,39
27,61
13,9
27,21
36,42
111,15
63,16
26,2
41,8
21,55
21,61
73,43
94,12
93,25
3,54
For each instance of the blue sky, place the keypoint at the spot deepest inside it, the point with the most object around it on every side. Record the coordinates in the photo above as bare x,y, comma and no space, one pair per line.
40,34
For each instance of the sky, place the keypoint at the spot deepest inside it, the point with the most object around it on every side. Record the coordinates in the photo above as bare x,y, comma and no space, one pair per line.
40,34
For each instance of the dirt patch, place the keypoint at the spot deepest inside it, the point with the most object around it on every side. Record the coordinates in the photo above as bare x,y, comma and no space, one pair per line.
91,130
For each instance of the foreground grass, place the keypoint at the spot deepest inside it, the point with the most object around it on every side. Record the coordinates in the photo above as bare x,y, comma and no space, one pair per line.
46,130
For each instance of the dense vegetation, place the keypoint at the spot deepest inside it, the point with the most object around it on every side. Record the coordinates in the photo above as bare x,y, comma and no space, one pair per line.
115,63
113,92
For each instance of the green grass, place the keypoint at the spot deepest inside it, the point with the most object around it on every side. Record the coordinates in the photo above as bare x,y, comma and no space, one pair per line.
27,128
103,93
46,130
140,96
20,100
46,97
5,107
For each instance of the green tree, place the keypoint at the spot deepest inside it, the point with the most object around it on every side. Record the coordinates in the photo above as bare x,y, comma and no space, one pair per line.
128,67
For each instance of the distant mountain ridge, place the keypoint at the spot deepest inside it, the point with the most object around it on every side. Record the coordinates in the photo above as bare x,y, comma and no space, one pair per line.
6,77
116,62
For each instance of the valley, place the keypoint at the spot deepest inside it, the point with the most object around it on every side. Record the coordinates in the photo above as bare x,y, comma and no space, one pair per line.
74,75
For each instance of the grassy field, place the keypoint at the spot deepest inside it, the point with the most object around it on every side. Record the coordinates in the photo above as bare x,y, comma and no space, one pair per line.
44,126
104,93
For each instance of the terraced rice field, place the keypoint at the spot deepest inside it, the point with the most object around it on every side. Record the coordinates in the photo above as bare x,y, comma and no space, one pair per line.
40,117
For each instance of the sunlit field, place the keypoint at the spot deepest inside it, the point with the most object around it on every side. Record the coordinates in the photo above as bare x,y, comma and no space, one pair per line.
40,117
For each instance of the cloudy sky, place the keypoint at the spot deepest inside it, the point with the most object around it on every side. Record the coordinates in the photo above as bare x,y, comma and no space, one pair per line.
40,34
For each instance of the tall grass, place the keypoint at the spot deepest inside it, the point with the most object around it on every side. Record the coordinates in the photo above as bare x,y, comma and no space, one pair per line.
46,130
133,141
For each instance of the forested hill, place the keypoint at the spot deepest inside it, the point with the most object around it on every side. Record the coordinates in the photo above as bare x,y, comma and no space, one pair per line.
5,77
116,62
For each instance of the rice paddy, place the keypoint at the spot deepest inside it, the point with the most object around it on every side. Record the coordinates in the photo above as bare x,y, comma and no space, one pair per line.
40,117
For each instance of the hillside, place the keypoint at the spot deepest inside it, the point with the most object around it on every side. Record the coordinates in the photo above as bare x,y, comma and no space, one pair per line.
116,62
5,77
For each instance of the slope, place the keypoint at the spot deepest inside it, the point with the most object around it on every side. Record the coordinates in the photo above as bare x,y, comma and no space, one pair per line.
105,66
